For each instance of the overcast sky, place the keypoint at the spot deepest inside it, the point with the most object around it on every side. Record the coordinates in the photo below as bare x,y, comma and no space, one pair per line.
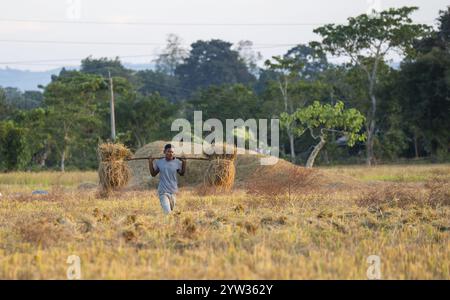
36,33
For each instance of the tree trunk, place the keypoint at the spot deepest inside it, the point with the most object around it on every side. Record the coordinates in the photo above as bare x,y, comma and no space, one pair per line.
369,143
292,145
316,150
63,158
372,77
288,109
416,147
325,156
371,129
138,139
44,157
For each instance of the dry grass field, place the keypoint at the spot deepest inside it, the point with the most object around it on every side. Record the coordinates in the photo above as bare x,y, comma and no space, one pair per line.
319,231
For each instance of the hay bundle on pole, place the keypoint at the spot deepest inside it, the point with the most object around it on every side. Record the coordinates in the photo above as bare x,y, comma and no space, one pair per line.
113,170
221,170
220,174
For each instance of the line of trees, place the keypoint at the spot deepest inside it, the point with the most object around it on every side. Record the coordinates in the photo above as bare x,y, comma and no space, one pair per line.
391,112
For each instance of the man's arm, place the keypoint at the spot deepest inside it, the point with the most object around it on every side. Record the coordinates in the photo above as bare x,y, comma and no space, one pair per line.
153,172
183,167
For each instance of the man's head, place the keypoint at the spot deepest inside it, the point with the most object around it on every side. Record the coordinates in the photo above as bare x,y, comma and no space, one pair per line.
169,151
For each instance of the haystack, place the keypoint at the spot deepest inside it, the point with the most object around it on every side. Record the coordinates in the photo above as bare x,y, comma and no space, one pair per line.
113,170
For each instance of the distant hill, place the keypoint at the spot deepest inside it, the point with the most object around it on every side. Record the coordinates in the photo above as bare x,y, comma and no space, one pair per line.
29,80
139,67
25,80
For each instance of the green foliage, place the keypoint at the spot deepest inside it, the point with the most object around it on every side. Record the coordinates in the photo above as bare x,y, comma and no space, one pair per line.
17,99
142,119
104,66
212,63
4,107
325,118
149,82
424,89
313,61
378,33
366,40
14,152
38,138
286,66
71,102
225,102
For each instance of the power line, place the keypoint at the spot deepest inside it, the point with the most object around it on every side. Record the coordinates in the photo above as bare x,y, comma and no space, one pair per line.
109,43
82,43
143,23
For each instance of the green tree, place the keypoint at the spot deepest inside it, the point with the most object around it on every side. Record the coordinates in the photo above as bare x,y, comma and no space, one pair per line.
425,94
37,139
104,66
367,40
32,99
313,60
4,107
423,90
392,132
294,84
145,117
71,102
15,99
322,119
287,70
212,63
14,151
148,82
225,102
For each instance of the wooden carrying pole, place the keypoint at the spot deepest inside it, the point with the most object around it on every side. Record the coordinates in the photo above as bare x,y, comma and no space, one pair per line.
190,158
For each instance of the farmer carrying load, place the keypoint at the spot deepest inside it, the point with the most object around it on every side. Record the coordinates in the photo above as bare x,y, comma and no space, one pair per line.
168,167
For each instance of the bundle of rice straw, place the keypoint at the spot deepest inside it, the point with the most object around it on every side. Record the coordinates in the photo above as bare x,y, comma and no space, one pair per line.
221,170
113,171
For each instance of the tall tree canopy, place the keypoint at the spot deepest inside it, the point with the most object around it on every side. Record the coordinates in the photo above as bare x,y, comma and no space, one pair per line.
72,104
212,63
367,40
424,90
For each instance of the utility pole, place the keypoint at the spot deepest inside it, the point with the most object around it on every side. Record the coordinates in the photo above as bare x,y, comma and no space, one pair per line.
113,120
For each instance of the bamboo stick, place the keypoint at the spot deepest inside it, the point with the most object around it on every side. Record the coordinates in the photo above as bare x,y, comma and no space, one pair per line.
191,158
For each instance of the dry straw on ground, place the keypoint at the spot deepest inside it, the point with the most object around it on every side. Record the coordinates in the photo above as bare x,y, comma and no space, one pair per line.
323,235
434,193
273,181
113,170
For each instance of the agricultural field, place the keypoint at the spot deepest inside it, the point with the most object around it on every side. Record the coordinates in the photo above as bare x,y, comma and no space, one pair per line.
321,227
